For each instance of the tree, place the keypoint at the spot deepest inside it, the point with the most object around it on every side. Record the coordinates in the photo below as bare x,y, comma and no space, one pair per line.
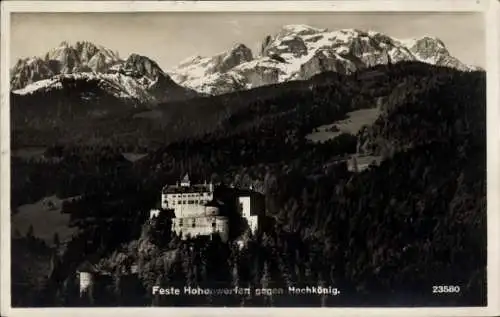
31,232
56,239
265,283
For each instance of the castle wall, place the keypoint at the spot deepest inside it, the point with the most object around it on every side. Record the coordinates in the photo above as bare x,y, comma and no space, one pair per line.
185,204
86,280
253,223
249,212
183,211
195,226
245,206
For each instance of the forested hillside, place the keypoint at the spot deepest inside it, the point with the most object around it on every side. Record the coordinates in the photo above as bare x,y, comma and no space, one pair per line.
416,221
105,120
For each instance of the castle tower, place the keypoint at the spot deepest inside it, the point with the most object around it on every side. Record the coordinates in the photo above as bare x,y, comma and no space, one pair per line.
185,182
249,213
86,283
86,273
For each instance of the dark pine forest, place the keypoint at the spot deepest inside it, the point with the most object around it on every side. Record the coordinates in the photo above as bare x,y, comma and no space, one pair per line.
384,236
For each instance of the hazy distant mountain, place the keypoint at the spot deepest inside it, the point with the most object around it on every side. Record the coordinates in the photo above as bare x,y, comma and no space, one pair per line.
301,51
138,79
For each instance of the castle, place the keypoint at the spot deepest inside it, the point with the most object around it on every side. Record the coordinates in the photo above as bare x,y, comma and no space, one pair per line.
194,210
199,211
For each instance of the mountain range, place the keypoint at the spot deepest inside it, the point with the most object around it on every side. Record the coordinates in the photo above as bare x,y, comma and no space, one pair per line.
295,52
137,79
300,52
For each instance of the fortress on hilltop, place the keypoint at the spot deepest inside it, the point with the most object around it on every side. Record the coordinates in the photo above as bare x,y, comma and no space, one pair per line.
203,210
192,210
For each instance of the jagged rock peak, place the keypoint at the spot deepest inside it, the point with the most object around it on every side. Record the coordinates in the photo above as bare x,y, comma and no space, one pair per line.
85,50
190,60
82,55
237,55
220,63
67,58
240,47
432,49
34,60
79,44
140,65
301,29
243,53
428,42
29,70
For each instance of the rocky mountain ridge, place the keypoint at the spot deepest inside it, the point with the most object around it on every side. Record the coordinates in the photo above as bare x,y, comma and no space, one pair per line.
138,78
295,52
64,59
301,51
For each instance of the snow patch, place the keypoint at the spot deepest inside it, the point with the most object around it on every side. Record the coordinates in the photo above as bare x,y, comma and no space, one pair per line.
120,85
301,28
408,43
51,83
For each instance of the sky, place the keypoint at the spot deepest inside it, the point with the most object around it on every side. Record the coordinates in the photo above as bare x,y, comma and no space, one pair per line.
170,37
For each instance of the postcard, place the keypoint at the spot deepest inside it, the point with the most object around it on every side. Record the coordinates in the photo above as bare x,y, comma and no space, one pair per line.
242,157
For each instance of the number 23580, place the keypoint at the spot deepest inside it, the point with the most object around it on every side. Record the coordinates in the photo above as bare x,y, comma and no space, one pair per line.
437,289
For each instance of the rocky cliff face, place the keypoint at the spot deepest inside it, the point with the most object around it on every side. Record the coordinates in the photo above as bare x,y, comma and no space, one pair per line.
64,59
29,70
138,78
211,74
301,51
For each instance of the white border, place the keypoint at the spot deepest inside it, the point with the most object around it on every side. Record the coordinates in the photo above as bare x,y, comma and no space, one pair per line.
242,6
492,13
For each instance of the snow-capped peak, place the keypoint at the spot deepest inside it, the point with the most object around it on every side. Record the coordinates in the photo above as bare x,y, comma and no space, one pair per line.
423,40
409,42
432,50
117,84
138,78
302,29
87,50
67,58
190,60
141,66
299,51
198,67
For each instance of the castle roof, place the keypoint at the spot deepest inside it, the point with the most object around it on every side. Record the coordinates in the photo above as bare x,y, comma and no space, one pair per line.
197,188
185,186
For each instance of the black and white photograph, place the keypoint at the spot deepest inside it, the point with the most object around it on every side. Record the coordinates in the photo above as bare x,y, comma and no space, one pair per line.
247,159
